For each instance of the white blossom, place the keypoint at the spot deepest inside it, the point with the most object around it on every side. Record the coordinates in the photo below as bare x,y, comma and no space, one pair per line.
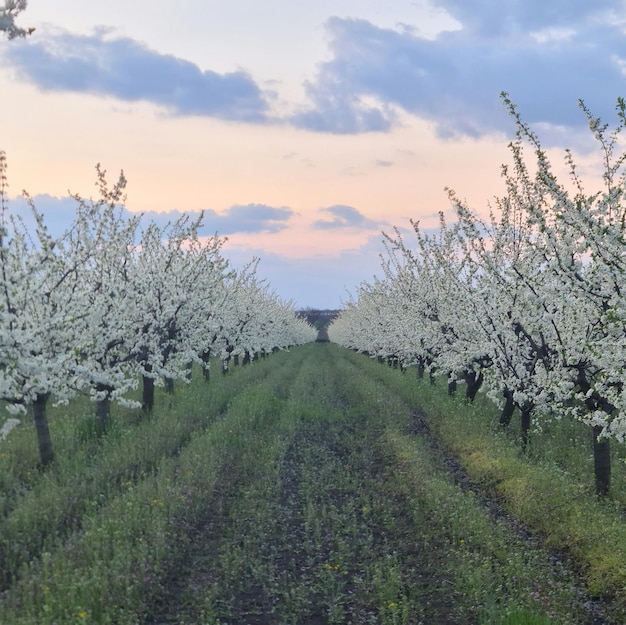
12,8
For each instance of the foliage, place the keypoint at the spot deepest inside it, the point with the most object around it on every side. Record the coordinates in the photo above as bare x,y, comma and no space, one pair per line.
12,8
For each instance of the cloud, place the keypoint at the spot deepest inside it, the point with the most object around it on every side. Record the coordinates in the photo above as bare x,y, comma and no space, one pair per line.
547,56
128,70
513,16
319,281
338,112
344,217
248,218
59,213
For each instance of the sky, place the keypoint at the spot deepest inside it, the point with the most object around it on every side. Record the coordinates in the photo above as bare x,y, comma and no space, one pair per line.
303,130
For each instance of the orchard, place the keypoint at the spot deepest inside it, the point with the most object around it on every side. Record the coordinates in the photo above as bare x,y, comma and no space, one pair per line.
113,301
319,486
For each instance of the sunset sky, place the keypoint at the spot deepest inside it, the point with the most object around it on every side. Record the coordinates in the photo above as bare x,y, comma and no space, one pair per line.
302,129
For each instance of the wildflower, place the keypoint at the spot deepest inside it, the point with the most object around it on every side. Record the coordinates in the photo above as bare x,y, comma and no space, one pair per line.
82,614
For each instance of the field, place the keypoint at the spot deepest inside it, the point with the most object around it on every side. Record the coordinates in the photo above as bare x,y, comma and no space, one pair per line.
315,486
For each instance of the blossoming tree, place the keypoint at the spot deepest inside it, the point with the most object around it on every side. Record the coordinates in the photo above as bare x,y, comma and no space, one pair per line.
40,307
533,297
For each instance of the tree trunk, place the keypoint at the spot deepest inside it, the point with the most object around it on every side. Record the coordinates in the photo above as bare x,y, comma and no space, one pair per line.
169,385
103,408
46,453
103,414
474,382
103,411
526,411
601,448
420,368
236,360
206,368
147,400
601,462
507,412
451,385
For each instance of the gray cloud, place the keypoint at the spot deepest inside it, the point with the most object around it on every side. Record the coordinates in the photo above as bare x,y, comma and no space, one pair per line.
512,16
126,69
59,214
248,218
545,55
317,281
344,217
338,112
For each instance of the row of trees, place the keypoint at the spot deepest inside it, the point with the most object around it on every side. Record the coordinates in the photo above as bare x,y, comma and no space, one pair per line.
530,303
112,301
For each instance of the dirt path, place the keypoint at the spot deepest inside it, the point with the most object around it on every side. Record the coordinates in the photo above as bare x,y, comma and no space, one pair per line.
595,609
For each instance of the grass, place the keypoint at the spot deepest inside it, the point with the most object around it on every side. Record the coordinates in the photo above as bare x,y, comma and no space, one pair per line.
550,488
294,490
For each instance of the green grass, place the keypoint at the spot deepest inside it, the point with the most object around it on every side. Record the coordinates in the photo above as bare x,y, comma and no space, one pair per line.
550,488
293,490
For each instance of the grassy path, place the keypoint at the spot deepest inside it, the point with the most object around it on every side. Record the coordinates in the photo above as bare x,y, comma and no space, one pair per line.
345,517
296,491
